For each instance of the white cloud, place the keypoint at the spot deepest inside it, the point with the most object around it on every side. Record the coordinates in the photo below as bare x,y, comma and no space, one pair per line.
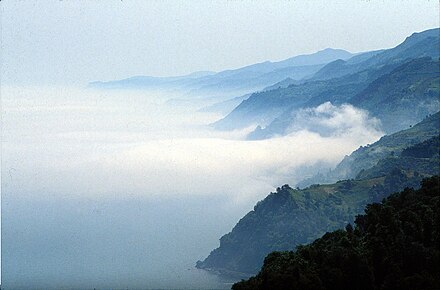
140,149
129,171
331,120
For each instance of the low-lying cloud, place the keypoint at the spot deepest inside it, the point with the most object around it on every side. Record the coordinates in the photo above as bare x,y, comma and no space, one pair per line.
97,186
191,160
330,120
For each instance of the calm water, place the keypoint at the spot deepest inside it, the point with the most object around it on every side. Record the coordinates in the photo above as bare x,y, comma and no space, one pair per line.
77,214
119,243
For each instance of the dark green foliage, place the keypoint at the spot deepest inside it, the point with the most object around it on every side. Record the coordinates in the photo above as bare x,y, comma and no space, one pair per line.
289,217
419,160
390,145
394,245
425,149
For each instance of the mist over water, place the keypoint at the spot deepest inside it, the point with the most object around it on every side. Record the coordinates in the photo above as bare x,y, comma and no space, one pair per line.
125,189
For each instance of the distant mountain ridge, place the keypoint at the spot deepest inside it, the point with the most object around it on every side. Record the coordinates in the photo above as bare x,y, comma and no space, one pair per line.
242,80
341,81
421,44
399,98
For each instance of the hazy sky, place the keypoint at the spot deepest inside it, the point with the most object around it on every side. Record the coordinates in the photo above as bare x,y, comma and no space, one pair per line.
49,42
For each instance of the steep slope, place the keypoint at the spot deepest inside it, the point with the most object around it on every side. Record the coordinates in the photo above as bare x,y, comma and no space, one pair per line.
395,245
228,106
425,43
368,156
264,107
420,159
289,217
275,108
399,97
404,96
285,218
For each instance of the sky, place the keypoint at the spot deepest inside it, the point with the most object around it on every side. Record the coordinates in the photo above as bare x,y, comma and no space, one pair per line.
75,42
87,172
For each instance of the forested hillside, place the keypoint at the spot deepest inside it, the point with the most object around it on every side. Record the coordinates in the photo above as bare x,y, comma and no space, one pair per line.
369,155
289,217
394,245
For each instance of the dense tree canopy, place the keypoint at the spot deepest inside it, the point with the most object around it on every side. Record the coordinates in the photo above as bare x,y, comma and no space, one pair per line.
394,245
291,217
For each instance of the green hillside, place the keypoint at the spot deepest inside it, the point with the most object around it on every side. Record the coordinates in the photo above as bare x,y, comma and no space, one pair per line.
394,245
289,217
368,156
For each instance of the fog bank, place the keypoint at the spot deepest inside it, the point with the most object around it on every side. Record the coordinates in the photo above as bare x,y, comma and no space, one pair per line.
123,189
